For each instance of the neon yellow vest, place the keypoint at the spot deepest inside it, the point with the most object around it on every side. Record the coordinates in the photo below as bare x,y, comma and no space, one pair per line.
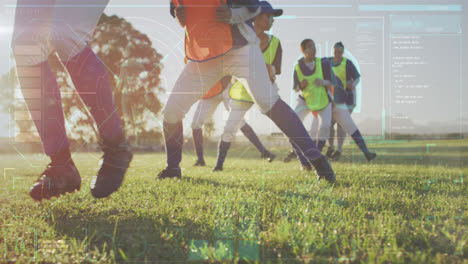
238,91
315,97
340,71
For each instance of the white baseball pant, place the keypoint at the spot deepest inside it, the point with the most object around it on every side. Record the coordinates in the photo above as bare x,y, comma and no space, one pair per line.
324,119
236,118
43,27
342,116
206,108
246,64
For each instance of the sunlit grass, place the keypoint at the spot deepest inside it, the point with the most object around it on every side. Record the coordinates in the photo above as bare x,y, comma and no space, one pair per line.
408,206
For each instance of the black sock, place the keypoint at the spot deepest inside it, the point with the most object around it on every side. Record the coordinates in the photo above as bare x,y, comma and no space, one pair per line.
61,157
198,143
359,140
290,124
174,138
222,153
250,134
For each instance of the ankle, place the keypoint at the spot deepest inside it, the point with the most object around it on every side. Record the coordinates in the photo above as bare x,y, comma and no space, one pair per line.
61,157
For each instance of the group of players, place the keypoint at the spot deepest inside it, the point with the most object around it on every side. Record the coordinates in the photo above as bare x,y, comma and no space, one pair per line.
318,97
230,59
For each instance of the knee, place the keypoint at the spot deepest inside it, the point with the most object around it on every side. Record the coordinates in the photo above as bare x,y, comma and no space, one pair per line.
172,115
243,124
197,124
266,104
227,136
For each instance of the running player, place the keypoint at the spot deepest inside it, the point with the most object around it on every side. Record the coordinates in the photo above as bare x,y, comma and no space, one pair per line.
345,70
205,109
313,76
241,101
42,28
220,41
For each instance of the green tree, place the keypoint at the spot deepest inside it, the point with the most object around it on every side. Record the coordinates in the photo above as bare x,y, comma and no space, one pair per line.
209,128
133,66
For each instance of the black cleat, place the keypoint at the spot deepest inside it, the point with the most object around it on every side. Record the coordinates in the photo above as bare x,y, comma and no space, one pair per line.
56,181
169,174
290,157
200,163
323,169
370,155
329,152
306,167
336,156
217,169
268,156
114,165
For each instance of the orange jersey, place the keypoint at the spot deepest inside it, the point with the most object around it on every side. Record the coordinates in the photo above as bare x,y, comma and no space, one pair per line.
205,37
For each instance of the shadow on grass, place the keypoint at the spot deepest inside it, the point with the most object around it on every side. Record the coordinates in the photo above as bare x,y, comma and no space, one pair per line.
158,240
137,239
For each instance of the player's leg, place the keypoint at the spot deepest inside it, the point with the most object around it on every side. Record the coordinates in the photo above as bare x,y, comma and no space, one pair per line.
302,110
233,124
341,134
325,118
342,116
331,140
341,139
324,121
320,128
250,134
61,175
205,109
91,81
42,95
195,80
248,64
314,128
74,21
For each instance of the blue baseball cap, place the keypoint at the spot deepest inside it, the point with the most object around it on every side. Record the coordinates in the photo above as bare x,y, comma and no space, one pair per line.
268,9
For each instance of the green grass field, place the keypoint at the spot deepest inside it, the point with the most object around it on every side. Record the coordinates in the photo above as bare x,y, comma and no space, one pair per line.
408,206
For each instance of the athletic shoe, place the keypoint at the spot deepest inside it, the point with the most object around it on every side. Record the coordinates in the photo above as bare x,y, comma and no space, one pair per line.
329,152
170,174
370,155
200,163
56,181
306,167
323,169
291,156
114,165
217,169
336,156
268,156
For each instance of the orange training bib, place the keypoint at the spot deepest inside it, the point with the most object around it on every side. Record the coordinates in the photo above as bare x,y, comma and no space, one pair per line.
205,37
215,90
